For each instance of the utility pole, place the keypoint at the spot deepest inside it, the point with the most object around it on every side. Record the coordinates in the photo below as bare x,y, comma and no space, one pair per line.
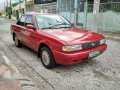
10,10
25,5
85,12
33,2
4,4
6,8
20,7
7,2
76,12
10,3
96,15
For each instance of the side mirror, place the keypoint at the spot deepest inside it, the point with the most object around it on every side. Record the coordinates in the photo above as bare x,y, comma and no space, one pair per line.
30,26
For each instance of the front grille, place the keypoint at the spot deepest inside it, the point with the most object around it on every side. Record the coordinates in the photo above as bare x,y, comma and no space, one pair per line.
90,44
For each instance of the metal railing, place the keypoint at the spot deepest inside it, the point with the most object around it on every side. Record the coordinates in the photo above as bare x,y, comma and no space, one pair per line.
46,8
113,6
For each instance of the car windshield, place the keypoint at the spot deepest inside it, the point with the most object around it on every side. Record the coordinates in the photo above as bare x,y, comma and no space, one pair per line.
52,21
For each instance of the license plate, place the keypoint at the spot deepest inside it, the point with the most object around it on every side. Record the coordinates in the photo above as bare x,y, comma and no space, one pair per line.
93,54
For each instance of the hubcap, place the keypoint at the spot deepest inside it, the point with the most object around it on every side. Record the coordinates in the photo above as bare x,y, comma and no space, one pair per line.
16,41
45,57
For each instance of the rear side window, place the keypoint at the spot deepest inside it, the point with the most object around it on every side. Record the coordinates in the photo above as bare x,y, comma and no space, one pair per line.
29,20
21,21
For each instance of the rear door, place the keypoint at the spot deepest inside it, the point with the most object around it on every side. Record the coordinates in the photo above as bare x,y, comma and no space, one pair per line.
20,28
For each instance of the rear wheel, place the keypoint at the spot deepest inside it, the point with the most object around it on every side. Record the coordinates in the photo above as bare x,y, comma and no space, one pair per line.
17,42
47,58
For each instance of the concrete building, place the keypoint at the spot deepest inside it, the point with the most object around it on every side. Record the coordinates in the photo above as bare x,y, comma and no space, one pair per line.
108,16
17,10
20,8
2,13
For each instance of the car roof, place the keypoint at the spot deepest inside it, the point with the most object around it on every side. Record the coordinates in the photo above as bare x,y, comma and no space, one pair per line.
37,13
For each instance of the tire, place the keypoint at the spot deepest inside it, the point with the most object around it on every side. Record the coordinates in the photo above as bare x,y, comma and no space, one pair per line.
17,42
47,58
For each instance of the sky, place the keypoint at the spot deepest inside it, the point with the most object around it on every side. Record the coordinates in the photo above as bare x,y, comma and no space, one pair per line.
2,3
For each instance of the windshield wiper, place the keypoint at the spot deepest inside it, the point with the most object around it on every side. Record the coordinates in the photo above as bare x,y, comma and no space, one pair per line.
60,24
52,27
46,28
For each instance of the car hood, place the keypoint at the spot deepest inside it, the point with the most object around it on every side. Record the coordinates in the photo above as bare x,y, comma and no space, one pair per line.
74,35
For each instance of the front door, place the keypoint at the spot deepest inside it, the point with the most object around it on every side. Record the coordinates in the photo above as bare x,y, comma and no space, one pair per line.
31,34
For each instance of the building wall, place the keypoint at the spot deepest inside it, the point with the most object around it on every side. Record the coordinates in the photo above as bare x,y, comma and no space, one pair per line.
108,17
108,21
17,8
3,13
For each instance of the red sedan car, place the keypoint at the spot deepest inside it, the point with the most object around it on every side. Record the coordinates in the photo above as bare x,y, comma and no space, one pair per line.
56,40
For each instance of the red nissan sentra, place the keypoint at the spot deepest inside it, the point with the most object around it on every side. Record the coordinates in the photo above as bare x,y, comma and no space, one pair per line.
56,40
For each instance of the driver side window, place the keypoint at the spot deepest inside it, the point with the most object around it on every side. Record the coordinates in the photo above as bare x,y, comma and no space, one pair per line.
29,20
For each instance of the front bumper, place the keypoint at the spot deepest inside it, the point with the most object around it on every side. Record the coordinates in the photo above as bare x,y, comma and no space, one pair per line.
76,57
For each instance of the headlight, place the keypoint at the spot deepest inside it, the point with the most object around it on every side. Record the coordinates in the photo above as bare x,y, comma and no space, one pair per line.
102,41
72,48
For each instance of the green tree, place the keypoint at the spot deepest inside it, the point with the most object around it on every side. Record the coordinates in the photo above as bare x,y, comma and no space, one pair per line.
9,12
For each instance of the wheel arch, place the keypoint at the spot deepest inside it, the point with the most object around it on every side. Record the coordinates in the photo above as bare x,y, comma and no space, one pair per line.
41,46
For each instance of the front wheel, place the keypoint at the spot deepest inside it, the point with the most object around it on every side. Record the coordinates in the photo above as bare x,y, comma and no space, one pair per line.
47,58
